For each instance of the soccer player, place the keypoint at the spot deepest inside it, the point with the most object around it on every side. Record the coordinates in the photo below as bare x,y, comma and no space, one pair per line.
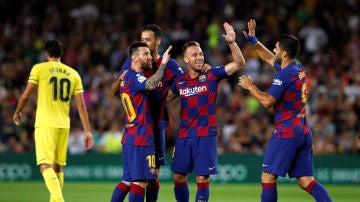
290,148
196,143
138,140
56,83
151,35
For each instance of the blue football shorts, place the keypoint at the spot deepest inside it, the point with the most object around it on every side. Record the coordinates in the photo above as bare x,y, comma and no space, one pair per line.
290,155
138,163
195,152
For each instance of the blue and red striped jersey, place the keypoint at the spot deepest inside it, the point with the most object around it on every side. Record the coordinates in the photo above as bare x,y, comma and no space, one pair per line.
289,90
157,96
135,101
197,97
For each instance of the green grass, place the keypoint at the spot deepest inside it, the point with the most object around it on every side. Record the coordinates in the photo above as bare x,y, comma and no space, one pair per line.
101,192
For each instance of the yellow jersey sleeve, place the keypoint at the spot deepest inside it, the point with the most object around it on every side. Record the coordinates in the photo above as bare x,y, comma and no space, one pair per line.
57,83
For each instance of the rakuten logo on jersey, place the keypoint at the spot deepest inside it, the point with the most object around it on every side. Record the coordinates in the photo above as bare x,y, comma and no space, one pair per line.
193,90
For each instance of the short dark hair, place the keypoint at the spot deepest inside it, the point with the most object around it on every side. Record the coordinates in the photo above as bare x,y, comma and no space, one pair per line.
53,48
188,44
154,28
134,47
290,44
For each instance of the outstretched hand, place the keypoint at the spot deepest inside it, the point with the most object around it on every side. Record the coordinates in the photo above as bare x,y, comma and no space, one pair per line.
230,35
166,55
245,81
251,28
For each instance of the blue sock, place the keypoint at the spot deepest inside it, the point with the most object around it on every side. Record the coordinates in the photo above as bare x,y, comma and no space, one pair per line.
318,192
269,192
181,191
120,192
137,193
203,191
152,191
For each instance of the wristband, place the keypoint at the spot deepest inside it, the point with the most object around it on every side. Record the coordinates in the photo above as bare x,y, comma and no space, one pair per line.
252,39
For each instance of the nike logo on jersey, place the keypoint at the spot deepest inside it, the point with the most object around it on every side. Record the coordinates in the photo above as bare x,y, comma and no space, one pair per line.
212,168
161,158
264,165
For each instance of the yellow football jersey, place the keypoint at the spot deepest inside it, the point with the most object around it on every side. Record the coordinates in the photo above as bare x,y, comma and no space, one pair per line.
57,83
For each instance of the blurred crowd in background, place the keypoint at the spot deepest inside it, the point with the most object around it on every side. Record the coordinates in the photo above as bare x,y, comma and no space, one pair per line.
96,36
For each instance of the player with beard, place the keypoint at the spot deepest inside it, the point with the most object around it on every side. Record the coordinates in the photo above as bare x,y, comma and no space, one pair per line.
138,140
289,150
151,35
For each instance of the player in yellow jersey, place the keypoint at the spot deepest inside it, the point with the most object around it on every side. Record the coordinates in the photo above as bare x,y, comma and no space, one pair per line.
56,83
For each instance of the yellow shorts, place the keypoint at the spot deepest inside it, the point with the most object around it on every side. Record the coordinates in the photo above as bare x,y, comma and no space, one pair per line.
51,145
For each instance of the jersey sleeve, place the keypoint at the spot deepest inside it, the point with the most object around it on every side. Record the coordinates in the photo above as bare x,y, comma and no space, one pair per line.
78,88
280,84
173,86
175,67
219,72
34,75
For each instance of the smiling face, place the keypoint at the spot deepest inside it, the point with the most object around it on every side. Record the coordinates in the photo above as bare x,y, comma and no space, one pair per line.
194,58
152,42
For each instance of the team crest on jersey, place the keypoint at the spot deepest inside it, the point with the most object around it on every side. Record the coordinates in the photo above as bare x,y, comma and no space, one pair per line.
140,78
302,74
152,171
202,78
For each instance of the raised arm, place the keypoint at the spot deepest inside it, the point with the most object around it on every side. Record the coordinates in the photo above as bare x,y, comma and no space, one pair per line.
153,81
237,56
264,53
115,87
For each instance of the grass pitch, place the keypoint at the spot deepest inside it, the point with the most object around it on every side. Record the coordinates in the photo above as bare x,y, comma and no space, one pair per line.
35,191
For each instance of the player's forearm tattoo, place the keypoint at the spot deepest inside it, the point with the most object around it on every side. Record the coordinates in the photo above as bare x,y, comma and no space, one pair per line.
153,81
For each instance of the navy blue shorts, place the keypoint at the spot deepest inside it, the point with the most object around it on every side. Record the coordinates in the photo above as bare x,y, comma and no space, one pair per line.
291,155
195,152
138,163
